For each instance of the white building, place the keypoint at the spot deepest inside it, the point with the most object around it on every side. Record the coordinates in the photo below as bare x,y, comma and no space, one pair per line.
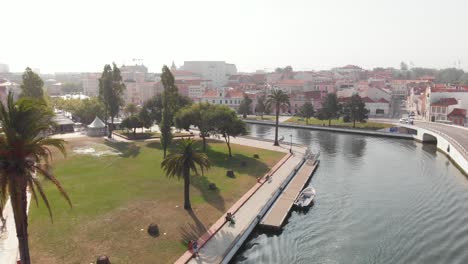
224,96
216,71
91,84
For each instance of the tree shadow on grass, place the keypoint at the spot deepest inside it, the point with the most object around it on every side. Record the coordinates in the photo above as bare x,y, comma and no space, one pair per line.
239,163
200,182
213,197
193,230
128,150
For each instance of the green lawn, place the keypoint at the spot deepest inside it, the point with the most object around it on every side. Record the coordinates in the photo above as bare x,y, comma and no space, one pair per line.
115,198
145,135
338,123
265,117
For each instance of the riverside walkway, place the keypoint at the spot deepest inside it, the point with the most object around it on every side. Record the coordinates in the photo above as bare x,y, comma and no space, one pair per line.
223,241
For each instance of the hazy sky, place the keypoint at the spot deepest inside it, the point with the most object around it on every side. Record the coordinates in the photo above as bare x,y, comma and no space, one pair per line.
64,35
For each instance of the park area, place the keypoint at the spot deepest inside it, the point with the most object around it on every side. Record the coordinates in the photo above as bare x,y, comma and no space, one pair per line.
119,189
338,123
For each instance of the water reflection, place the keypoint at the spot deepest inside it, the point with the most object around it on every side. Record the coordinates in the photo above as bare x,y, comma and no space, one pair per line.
378,200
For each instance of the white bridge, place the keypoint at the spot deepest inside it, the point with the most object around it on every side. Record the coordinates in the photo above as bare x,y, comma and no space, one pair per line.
450,140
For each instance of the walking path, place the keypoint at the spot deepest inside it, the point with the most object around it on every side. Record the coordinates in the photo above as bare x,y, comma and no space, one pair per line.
227,236
8,240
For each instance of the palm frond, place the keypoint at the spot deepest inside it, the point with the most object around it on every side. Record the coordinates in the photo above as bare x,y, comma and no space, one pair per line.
49,176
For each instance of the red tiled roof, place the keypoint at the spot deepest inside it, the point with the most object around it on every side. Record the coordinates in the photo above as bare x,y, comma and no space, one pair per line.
382,100
446,102
234,93
180,73
291,82
210,93
458,112
367,100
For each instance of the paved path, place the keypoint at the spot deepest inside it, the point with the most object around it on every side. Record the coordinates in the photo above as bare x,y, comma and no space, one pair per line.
8,240
220,243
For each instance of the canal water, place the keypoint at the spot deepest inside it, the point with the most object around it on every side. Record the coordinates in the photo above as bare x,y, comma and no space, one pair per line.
378,200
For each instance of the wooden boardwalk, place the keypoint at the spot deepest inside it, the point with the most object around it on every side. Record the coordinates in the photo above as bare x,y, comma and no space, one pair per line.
278,212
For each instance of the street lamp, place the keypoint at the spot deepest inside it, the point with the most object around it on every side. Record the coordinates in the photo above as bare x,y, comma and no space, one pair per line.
290,149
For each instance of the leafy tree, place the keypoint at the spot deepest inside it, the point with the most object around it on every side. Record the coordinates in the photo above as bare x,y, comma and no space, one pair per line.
185,159
25,153
245,106
260,108
403,66
307,111
82,110
169,100
200,115
278,99
227,123
131,109
355,109
449,75
132,122
152,110
111,90
32,85
331,108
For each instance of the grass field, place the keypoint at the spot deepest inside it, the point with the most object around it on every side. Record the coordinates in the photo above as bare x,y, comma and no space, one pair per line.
265,117
145,135
116,195
338,123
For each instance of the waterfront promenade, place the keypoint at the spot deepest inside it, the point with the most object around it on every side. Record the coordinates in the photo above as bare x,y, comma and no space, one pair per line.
225,239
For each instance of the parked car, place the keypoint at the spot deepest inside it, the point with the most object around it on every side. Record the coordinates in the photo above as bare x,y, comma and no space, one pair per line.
403,120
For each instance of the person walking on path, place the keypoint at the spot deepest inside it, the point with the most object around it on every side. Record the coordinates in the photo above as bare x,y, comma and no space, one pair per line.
195,248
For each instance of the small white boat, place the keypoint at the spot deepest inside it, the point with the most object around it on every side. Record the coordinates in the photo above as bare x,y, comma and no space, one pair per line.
306,197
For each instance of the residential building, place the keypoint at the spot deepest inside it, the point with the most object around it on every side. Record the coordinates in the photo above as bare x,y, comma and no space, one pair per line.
137,73
441,108
6,87
224,96
457,116
216,71
91,84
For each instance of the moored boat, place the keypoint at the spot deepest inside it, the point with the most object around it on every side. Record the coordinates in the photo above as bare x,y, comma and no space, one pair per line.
305,198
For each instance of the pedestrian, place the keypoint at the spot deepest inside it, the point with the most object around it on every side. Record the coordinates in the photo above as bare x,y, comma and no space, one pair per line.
195,247
230,218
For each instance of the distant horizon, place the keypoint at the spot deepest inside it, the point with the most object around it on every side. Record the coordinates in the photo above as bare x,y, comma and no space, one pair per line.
82,36
239,69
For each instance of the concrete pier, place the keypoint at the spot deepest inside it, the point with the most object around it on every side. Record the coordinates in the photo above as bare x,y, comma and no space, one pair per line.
278,212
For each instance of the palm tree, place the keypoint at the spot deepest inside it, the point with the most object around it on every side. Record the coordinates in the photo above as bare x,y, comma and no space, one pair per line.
25,151
278,99
184,160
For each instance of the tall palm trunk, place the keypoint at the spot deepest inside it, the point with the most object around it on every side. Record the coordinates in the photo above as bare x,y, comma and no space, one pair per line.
204,142
187,205
276,127
111,127
19,203
228,143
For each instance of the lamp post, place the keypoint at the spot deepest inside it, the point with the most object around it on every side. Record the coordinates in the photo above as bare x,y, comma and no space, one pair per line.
290,148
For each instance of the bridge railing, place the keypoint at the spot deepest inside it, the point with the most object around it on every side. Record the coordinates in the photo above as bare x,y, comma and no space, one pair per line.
450,139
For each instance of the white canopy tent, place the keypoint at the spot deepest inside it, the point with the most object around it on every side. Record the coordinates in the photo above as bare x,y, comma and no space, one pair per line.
97,128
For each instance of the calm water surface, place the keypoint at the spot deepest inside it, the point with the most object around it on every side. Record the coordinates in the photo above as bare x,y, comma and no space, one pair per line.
378,201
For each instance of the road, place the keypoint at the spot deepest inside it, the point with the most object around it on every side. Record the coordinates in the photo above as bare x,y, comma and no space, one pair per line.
458,134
